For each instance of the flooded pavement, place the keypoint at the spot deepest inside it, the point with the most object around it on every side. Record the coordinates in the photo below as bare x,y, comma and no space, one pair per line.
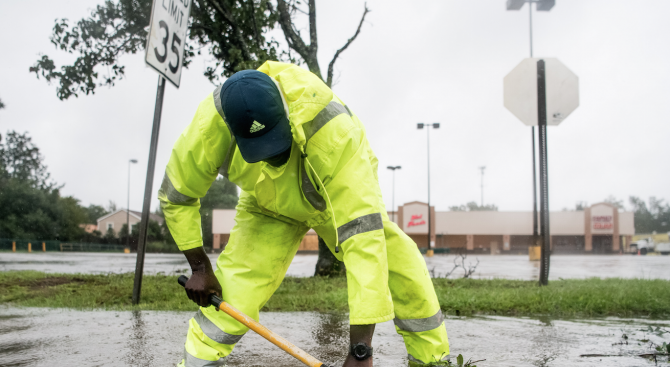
507,266
561,266
61,337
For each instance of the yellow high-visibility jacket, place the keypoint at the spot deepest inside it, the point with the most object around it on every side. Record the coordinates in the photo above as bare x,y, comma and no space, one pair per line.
329,149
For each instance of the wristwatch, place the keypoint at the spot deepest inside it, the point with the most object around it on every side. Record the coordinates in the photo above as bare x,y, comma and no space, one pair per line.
360,351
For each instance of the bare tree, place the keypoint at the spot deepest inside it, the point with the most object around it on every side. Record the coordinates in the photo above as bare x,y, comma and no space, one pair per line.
287,12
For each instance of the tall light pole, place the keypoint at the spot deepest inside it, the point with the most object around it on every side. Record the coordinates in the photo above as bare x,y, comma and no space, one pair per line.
420,126
128,205
541,5
393,168
482,168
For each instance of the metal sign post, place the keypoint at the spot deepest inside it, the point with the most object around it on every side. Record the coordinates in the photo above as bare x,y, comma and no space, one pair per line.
164,50
148,186
542,92
545,239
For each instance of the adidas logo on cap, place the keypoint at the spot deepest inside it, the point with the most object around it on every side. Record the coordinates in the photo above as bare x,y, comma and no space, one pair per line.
256,127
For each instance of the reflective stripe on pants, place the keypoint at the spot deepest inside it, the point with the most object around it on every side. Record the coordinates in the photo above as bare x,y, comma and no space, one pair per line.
213,332
418,325
250,269
191,361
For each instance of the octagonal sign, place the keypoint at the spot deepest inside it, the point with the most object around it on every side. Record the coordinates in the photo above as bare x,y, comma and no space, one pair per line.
520,91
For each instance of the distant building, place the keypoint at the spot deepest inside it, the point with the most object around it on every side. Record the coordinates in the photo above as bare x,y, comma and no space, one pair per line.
89,228
600,228
117,219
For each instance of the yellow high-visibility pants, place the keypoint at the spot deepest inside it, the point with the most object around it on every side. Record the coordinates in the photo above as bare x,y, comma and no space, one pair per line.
255,262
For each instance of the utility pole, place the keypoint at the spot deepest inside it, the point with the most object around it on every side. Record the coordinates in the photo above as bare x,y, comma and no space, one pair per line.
393,168
128,205
420,126
482,168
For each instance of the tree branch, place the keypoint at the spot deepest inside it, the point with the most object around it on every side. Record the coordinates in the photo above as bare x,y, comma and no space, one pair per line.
329,81
253,19
226,14
292,37
313,40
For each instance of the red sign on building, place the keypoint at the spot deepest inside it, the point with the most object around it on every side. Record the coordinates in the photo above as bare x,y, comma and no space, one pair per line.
602,221
416,220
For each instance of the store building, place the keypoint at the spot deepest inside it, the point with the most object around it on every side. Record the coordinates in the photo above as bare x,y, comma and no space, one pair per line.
600,228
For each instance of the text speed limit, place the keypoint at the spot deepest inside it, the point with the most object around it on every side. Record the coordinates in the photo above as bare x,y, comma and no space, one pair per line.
167,35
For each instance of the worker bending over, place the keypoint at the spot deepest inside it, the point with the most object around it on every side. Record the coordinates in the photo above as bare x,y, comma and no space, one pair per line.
302,160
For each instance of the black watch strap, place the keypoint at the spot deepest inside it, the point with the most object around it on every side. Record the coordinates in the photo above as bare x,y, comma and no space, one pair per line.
360,351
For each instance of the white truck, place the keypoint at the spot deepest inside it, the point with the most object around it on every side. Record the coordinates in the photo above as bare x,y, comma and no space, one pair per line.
663,248
647,245
643,246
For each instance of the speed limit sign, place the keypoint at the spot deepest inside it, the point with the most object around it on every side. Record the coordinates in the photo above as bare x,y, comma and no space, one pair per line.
167,35
165,50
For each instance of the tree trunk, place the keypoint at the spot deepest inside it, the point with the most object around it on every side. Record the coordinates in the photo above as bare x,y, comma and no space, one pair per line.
328,265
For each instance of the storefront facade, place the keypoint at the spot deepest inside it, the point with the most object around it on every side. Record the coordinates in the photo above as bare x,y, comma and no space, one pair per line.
599,229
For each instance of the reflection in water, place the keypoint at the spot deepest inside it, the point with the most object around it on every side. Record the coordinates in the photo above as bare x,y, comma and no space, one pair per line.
138,352
332,328
59,337
548,344
331,333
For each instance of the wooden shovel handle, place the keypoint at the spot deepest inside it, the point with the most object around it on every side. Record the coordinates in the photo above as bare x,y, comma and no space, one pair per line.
261,330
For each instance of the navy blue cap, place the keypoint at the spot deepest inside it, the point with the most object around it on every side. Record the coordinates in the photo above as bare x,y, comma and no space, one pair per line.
253,109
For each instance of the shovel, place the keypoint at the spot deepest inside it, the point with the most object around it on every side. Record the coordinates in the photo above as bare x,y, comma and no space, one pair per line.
261,330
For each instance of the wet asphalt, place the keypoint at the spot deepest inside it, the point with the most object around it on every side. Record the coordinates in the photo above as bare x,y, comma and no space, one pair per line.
61,337
501,266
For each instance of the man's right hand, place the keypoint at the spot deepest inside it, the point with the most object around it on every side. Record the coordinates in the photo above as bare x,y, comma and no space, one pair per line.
203,282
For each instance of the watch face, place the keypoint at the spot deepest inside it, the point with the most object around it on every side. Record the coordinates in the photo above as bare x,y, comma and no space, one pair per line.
360,351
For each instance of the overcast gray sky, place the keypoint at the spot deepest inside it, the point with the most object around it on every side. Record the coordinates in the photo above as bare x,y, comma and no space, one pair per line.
431,61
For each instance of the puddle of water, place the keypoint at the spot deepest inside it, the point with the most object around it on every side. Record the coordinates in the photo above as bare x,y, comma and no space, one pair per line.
508,266
61,337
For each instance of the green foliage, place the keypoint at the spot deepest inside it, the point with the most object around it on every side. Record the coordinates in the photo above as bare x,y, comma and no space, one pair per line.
614,201
580,206
566,298
31,206
665,348
233,31
20,159
222,195
93,212
573,297
473,206
655,217
27,212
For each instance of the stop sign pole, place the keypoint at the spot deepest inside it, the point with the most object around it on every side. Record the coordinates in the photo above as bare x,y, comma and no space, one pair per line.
542,92
164,52
545,239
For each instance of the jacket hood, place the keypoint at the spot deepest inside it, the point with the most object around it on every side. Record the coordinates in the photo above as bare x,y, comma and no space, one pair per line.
306,94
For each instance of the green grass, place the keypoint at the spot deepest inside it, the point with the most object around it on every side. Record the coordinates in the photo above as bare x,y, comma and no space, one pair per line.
564,298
